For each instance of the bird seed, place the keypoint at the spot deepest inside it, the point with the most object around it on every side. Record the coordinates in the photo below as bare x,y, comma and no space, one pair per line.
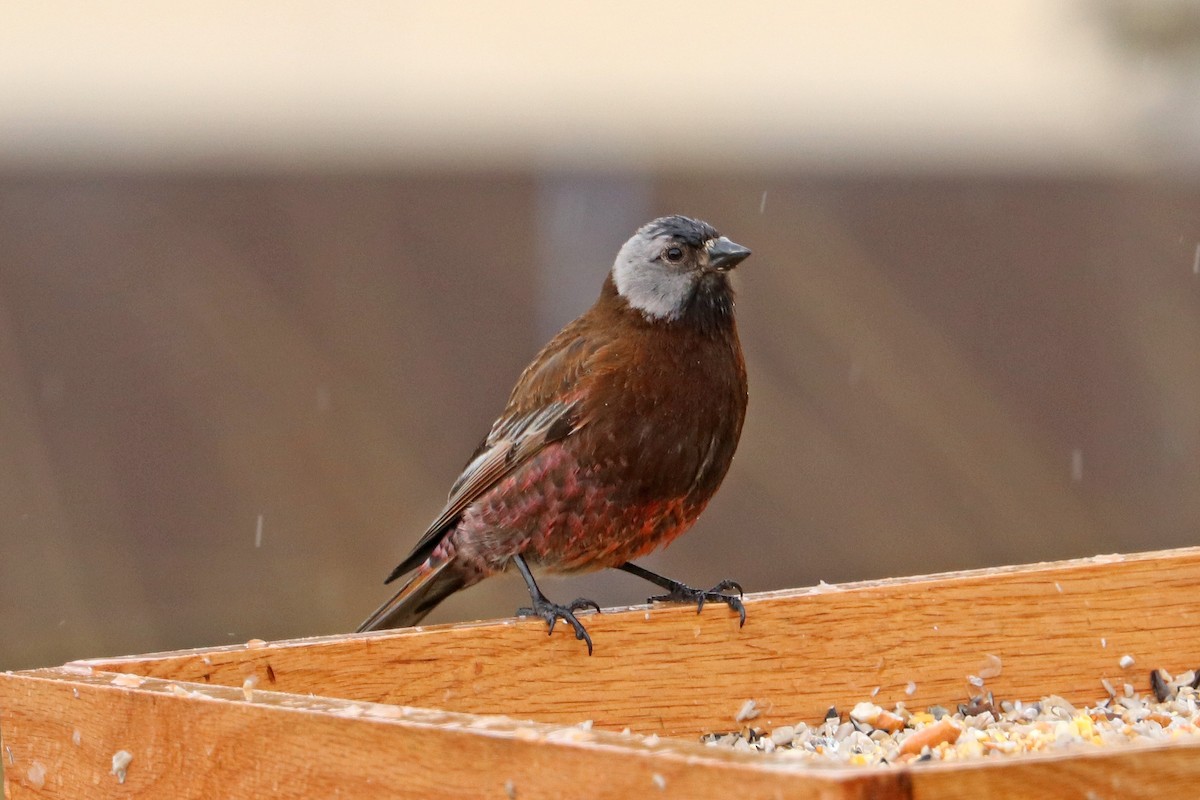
871,735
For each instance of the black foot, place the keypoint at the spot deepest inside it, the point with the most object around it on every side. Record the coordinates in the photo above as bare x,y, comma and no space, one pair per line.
553,612
685,594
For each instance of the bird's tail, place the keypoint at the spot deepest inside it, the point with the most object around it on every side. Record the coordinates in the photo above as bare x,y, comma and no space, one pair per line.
430,584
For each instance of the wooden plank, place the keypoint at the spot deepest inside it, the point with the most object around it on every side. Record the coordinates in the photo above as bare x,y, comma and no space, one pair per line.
1057,628
62,728
1134,772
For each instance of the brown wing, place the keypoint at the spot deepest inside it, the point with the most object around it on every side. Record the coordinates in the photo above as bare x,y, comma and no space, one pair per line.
544,407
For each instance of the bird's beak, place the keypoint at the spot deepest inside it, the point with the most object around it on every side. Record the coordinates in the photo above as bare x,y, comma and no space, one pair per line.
724,255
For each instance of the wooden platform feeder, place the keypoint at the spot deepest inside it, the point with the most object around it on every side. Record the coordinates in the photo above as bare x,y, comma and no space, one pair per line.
492,709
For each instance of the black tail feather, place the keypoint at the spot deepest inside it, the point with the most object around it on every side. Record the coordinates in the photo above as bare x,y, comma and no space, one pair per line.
421,594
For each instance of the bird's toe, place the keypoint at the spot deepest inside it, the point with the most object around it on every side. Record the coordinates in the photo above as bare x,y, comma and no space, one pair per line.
686,594
552,613
582,604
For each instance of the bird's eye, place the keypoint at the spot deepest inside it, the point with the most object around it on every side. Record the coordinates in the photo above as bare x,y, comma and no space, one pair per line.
673,254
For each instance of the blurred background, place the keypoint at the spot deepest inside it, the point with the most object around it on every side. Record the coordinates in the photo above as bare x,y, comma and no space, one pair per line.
268,272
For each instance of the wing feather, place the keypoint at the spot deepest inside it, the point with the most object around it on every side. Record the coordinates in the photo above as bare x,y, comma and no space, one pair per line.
543,408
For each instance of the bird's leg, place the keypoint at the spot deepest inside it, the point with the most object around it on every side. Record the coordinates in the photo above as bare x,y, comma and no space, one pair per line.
552,612
682,593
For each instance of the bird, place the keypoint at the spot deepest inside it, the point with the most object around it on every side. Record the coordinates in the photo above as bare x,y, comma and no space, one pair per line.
613,441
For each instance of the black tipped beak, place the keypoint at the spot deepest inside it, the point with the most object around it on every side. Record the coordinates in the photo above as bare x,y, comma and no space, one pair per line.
724,254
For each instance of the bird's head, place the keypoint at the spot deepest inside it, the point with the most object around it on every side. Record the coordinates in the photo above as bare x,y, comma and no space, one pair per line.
677,267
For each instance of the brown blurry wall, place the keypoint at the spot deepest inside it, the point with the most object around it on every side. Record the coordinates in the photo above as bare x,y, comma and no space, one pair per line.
229,403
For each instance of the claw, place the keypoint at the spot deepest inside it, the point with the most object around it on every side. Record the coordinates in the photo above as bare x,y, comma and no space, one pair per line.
686,594
582,604
552,613
728,584
736,604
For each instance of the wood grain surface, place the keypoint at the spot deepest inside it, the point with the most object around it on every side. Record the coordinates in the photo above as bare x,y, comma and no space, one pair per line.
303,718
1057,628
196,741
